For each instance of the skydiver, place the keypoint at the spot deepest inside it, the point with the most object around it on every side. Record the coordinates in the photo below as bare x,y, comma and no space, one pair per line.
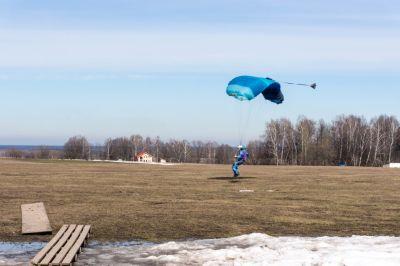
240,158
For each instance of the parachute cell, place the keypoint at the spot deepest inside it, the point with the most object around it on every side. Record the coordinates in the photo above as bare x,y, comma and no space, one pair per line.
247,88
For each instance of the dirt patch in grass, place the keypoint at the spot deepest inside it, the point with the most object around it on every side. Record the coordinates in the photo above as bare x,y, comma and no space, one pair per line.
157,203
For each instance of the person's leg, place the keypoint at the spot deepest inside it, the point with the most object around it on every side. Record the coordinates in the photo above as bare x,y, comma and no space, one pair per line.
238,163
235,169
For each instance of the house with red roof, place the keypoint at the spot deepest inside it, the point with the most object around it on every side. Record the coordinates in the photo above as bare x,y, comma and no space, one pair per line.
143,157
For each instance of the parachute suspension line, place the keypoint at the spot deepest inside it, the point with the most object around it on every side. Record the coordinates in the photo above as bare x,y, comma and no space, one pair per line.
241,122
247,121
239,125
242,114
313,85
246,112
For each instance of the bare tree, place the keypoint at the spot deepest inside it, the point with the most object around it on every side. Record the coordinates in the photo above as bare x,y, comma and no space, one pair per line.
393,127
107,148
256,150
224,154
157,143
14,153
77,147
177,148
377,129
323,144
136,143
121,149
43,152
272,139
306,129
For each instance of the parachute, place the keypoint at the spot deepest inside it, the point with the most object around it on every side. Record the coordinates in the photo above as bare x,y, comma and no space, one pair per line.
247,88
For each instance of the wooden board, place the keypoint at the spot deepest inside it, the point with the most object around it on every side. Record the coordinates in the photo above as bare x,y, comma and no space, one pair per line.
53,252
71,256
71,241
49,246
34,219
64,248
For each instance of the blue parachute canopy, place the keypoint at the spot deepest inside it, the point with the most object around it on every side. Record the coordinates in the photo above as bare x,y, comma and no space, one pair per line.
248,87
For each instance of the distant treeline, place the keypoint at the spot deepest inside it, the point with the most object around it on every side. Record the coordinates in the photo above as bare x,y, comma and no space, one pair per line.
347,140
32,152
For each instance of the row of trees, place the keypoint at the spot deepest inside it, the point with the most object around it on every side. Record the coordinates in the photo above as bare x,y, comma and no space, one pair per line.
125,148
350,140
41,152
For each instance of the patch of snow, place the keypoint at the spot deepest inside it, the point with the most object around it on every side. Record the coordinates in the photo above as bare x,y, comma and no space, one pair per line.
246,191
252,249
134,162
392,165
18,253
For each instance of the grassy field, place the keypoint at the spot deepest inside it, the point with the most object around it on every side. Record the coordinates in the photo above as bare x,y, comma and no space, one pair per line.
158,203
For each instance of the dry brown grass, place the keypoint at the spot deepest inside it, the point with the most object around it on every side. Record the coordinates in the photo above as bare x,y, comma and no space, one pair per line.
198,201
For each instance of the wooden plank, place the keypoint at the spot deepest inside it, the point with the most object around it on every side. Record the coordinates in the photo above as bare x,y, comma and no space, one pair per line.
48,247
61,255
53,252
75,249
34,219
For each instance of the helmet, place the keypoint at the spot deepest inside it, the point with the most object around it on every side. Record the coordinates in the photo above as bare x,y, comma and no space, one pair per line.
241,147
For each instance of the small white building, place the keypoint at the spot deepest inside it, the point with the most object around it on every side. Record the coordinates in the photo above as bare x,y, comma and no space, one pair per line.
144,157
392,165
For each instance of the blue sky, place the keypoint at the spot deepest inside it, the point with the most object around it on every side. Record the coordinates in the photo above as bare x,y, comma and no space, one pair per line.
114,68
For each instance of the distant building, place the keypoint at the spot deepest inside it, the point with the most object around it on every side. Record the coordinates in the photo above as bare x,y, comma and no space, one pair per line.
143,157
392,165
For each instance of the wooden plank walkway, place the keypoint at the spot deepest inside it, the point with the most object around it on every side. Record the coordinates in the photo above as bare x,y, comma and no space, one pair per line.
65,246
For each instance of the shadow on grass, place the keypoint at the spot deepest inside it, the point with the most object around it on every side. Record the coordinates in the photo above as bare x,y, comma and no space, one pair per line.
231,178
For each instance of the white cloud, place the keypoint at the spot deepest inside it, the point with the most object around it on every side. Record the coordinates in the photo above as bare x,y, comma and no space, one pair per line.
157,51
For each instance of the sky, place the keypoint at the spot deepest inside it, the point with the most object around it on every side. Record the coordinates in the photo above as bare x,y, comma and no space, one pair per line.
160,68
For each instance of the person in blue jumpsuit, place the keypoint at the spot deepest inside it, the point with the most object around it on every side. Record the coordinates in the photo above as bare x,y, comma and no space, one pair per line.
241,157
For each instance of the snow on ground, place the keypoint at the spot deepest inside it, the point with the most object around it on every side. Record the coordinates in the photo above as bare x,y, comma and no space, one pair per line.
134,162
253,249
18,253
